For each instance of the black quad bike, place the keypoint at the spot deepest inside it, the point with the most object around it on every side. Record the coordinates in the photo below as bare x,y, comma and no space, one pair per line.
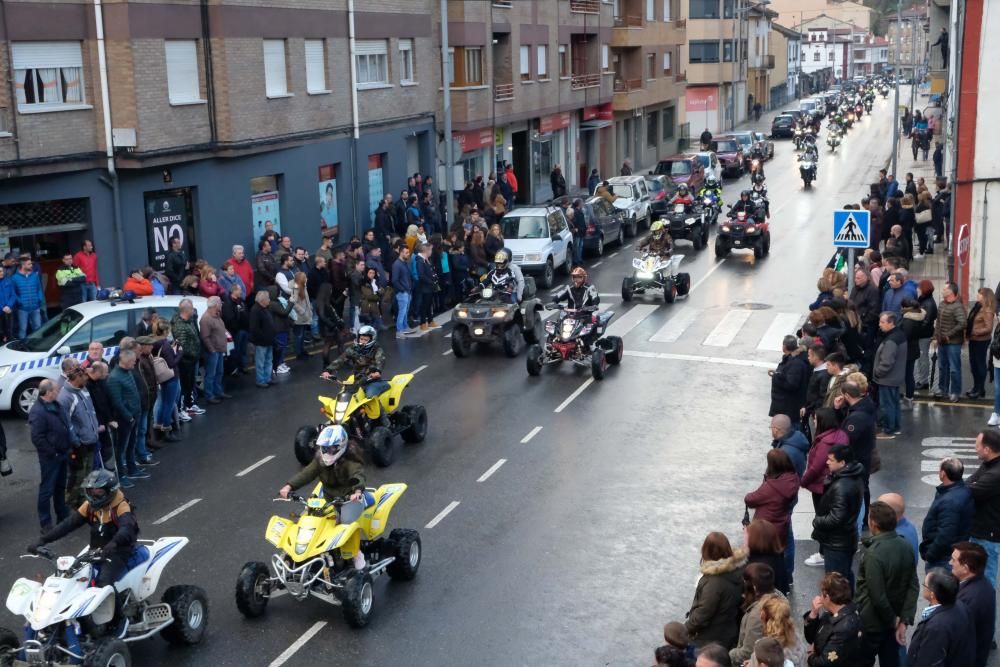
577,336
487,315
687,221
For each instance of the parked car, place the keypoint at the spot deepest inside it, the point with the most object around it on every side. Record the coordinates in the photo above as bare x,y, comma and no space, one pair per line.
783,126
794,113
746,141
661,189
633,198
605,223
763,144
710,163
682,168
730,153
540,240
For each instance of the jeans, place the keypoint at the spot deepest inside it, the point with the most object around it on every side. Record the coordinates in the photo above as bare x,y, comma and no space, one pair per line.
882,644
280,343
888,403
922,369
28,319
262,355
89,292
992,553
169,392
125,452
578,250
996,389
299,333
240,349
950,369
403,309
141,429
839,560
52,490
979,360
213,374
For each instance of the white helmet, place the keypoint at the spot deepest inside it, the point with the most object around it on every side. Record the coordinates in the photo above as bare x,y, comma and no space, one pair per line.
332,444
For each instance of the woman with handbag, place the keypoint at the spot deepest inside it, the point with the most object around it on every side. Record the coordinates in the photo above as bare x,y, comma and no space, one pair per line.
979,330
371,300
923,215
165,362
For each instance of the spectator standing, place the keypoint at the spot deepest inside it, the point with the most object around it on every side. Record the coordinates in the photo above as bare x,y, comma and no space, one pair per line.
828,434
71,281
28,297
984,484
979,331
789,381
950,336
402,282
185,329
325,249
212,331
925,334
887,588
127,406
50,434
593,181
943,635
371,300
283,279
833,625
301,314
86,260
242,268
229,277
236,317
261,334
175,265
904,527
994,419
170,389
776,616
890,373
859,423
793,443
834,526
267,267
281,309
758,584
8,306
138,284
976,594
145,380
426,286
713,655
949,518
714,616
764,547
356,279
558,182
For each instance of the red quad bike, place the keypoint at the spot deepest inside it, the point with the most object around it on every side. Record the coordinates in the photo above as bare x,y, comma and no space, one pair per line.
577,336
743,232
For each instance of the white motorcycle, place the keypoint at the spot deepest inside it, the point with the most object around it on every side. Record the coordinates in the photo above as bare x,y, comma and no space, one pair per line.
71,621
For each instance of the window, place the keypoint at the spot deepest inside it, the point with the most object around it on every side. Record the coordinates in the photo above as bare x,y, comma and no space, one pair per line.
668,123
666,10
109,329
816,56
406,71
525,63
829,56
703,52
728,9
652,118
373,62
182,71
667,69
542,53
316,66
563,61
650,65
605,57
473,66
650,10
275,75
48,74
704,9
451,65
727,51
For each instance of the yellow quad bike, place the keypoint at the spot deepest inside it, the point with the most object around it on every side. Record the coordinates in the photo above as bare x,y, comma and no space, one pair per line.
316,552
374,422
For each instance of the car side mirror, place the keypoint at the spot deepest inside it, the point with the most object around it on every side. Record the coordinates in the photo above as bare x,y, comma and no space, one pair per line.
650,172
63,351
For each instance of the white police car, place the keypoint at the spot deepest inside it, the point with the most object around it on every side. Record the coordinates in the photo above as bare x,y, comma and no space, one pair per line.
25,363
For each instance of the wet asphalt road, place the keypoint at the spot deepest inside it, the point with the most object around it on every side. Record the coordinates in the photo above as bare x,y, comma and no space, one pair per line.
585,539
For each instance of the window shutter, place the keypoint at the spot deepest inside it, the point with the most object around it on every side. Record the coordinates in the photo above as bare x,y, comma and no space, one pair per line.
274,67
543,65
182,71
315,66
29,55
526,60
371,47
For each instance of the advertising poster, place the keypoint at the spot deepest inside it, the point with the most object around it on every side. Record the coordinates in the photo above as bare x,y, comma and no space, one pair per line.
328,223
166,218
265,207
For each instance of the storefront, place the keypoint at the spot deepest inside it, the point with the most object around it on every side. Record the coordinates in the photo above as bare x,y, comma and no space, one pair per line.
553,143
596,129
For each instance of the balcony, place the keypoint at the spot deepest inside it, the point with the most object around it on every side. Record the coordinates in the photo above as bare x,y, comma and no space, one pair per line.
627,85
628,21
683,76
585,6
765,62
630,94
581,81
503,92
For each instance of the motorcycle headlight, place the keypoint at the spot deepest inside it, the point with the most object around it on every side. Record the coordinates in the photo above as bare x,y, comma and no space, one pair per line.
341,409
751,229
499,313
302,540
550,327
725,228
462,313
689,221
4,370
533,257
644,275
567,329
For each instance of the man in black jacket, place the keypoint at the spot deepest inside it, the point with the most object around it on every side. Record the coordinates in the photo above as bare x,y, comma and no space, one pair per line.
50,436
985,487
384,223
859,411
97,385
819,381
834,526
833,626
262,333
976,594
789,382
175,265
943,636
949,518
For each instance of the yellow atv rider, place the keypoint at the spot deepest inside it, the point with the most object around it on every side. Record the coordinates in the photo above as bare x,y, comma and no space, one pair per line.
658,242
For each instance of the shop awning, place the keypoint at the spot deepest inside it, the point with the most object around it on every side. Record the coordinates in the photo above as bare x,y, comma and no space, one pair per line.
594,125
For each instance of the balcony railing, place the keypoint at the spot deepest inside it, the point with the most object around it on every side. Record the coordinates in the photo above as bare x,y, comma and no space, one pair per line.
503,92
680,23
629,21
585,6
627,85
581,81
683,76
765,62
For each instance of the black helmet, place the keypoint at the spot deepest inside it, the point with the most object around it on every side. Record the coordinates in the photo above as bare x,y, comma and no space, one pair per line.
758,177
502,258
745,194
369,331
99,488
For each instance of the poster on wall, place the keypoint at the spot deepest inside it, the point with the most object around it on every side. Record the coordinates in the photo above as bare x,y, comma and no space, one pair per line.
166,219
702,105
329,225
375,185
265,207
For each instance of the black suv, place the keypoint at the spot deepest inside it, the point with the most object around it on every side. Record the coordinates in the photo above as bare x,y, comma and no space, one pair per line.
783,126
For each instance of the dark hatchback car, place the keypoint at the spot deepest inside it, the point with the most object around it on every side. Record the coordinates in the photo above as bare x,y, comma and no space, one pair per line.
783,126
730,152
605,223
682,168
661,190
746,141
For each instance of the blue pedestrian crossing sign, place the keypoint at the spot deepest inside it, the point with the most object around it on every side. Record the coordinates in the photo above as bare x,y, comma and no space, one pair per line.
851,229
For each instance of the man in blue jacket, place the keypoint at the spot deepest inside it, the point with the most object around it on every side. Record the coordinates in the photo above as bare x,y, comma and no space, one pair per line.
949,518
8,305
790,441
402,282
976,594
50,434
943,635
29,298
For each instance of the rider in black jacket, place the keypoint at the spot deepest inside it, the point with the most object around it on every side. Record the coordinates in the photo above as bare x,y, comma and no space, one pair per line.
580,295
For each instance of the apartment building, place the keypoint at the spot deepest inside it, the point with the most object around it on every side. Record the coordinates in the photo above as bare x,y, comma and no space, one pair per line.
224,116
909,29
784,46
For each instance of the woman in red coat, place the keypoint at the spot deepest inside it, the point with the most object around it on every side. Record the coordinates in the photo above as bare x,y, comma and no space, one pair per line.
209,285
828,434
776,496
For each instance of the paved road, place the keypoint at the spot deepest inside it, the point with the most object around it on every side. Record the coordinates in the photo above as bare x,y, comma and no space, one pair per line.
578,508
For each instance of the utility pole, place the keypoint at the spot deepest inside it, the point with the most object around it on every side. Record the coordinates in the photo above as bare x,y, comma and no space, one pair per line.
913,63
448,141
895,111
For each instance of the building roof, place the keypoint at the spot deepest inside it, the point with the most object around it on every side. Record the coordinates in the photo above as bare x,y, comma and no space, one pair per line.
787,32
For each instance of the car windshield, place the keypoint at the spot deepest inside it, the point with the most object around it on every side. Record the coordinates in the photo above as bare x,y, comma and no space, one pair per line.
745,139
654,184
525,227
52,332
783,120
705,160
623,190
680,168
728,146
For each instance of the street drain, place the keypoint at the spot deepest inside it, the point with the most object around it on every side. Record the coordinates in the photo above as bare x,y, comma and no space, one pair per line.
752,306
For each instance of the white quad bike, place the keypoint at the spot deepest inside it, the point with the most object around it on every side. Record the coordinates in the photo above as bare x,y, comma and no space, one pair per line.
71,622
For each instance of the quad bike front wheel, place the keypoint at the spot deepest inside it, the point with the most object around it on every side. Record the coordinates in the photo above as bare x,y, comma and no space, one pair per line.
108,652
511,340
380,444
721,249
598,364
683,284
358,599
615,351
253,589
305,443
461,342
670,290
534,360
407,551
416,417
189,606
9,643
627,285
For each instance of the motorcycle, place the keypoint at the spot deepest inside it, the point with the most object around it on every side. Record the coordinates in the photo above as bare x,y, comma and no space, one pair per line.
650,271
70,620
712,205
797,138
316,552
372,421
807,170
868,105
577,336
833,141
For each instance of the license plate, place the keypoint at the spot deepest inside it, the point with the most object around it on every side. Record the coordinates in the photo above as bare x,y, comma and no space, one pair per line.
478,332
737,243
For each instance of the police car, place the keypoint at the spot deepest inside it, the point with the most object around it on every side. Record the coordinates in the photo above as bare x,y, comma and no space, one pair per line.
24,363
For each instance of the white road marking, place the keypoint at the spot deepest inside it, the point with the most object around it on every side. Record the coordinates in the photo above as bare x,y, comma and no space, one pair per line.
596,264
726,330
627,247
694,357
531,434
446,353
707,274
418,369
167,517
676,325
579,390
493,468
783,325
255,466
298,643
630,320
610,295
447,335
614,254
440,517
